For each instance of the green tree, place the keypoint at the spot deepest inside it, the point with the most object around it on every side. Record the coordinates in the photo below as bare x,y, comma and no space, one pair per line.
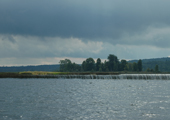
126,67
83,66
130,66
140,65
98,64
90,64
123,65
102,66
135,67
106,66
65,65
113,63
156,68
148,69
100,69
75,67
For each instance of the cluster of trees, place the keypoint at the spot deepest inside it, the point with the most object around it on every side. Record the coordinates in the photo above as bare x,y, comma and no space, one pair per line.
67,66
155,64
151,70
163,66
111,64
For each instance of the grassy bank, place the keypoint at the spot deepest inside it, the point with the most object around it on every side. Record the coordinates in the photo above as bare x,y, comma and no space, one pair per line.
29,74
42,73
67,73
39,74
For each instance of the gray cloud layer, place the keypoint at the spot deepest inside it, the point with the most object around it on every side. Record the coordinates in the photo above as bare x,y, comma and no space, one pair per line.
82,19
90,28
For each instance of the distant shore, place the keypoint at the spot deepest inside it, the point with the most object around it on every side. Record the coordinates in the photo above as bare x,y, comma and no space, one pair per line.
39,74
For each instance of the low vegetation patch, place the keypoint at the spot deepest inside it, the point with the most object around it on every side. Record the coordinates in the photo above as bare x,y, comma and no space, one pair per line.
41,73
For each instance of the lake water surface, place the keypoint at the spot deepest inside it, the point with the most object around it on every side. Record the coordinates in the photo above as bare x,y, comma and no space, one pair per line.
84,99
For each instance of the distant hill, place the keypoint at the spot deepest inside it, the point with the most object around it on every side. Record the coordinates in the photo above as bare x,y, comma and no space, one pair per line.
30,68
152,59
163,63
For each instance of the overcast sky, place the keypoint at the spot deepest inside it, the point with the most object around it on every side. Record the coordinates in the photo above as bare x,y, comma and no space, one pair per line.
44,32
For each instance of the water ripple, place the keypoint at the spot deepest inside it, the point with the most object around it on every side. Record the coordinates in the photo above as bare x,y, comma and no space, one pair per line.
77,99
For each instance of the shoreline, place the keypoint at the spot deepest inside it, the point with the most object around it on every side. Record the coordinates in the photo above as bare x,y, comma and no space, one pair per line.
89,75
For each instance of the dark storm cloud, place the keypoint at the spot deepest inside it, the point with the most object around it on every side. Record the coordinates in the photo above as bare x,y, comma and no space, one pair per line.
109,20
106,19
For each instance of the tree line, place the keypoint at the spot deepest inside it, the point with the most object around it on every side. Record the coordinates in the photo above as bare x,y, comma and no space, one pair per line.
110,65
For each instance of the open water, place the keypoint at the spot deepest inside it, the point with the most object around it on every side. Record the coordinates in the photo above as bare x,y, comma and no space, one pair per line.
84,99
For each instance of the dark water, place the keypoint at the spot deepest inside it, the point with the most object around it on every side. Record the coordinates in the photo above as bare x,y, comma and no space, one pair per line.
77,99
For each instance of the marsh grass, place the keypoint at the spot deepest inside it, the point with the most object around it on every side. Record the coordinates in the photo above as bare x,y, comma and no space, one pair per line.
8,75
42,73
